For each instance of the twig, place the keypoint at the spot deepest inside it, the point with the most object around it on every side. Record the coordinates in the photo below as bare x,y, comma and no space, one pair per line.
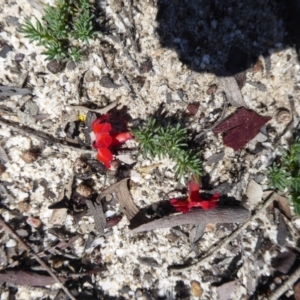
42,135
229,238
286,285
198,136
10,231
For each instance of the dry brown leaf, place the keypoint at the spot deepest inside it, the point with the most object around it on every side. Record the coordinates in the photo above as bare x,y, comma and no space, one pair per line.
240,128
297,290
121,191
27,278
97,212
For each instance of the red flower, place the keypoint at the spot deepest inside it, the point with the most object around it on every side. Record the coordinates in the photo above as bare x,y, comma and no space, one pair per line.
105,138
194,200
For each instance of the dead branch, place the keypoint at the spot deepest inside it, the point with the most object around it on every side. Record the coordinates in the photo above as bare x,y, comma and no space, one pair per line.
229,238
288,284
10,231
42,135
221,118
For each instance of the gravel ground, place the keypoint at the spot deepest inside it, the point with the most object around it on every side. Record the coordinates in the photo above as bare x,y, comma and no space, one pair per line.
158,56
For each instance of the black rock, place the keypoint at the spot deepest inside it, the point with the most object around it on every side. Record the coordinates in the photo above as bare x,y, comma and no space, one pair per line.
19,57
55,66
4,50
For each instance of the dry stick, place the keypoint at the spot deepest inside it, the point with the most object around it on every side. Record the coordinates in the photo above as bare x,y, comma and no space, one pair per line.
10,231
286,285
231,237
221,118
42,135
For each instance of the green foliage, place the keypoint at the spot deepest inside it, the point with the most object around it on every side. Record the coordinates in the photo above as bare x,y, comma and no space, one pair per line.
156,140
286,174
62,27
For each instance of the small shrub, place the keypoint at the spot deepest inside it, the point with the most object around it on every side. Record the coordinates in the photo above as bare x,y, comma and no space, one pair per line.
285,175
62,29
171,142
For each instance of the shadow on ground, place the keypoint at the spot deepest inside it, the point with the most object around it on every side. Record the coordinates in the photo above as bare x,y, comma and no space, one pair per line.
226,37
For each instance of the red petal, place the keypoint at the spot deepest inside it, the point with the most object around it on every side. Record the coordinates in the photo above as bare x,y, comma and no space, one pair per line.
102,128
99,120
105,156
181,206
103,140
121,138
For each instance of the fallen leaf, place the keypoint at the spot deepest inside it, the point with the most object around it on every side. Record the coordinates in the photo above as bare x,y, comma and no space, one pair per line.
133,214
226,289
149,261
297,290
232,91
284,261
224,214
215,158
284,205
96,211
27,278
282,231
193,108
196,233
240,128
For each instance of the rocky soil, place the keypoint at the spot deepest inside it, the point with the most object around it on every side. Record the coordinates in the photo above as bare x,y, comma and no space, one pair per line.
152,58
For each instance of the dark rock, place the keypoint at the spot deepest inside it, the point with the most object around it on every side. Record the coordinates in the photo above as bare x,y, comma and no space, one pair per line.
14,21
4,50
71,65
108,83
19,57
55,66
146,66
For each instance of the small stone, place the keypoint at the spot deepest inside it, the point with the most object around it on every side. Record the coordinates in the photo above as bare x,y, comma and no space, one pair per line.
24,206
81,166
4,50
206,59
57,262
71,65
19,57
84,190
22,232
146,66
55,66
283,116
29,156
214,24
212,89
11,243
196,288
33,222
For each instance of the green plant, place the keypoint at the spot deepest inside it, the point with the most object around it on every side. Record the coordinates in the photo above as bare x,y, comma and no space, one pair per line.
156,140
61,29
285,175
